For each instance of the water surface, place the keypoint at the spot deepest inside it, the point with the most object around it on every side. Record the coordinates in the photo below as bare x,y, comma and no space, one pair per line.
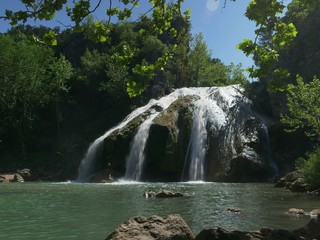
92,211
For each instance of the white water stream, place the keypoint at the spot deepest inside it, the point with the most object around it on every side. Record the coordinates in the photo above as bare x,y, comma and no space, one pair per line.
135,159
198,142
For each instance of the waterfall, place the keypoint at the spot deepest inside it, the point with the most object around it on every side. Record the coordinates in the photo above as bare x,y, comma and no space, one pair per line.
268,152
135,159
87,166
210,111
267,147
198,142
221,119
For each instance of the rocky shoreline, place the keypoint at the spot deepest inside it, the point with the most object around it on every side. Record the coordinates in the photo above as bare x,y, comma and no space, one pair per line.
173,227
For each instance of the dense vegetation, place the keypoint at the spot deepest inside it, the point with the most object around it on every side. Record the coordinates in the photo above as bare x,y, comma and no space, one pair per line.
61,89
286,52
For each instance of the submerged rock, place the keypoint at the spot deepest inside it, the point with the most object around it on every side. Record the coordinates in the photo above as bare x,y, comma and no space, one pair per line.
235,210
295,212
171,227
149,194
162,194
168,194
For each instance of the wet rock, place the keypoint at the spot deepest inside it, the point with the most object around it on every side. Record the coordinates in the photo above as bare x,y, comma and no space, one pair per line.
315,192
25,174
17,178
293,181
162,194
149,194
295,212
172,227
315,213
235,210
2,179
311,231
223,234
299,185
168,194
7,177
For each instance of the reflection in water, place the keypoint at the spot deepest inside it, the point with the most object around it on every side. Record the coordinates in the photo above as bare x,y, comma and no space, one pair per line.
91,211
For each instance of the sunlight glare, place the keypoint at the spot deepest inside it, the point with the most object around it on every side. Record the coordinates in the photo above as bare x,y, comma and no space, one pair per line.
212,5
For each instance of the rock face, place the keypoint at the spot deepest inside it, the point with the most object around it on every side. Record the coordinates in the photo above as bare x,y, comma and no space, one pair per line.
172,227
208,134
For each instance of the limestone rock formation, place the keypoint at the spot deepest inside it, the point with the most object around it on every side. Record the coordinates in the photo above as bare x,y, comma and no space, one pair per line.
208,134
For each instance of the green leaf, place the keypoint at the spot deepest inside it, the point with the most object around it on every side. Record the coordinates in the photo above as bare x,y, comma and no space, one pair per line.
50,38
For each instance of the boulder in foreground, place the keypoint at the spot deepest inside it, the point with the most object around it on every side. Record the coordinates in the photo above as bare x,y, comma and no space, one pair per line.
309,232
171,227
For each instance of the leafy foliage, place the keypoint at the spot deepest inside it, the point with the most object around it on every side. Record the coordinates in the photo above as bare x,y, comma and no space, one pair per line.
273,35
162,15
31,77
310,168
304,107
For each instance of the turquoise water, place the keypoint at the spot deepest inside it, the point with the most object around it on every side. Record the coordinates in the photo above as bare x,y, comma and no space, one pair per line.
93,211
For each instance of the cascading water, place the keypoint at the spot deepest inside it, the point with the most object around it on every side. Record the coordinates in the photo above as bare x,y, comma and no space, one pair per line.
135,159
86,168
208,111
272,164
87,165
198,142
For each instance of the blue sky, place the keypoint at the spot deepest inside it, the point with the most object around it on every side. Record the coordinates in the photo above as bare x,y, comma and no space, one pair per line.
223,28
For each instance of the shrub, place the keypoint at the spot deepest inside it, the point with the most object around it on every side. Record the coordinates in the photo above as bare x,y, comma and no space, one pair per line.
310,168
